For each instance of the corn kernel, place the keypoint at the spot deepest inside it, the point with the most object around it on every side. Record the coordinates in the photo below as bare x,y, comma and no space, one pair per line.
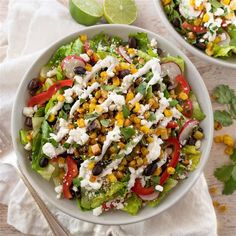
60,98
137,120
119,174
166,2
80,110
80,123
145,161
183,96
131,51
132,163
209,49
144,151
200,8
133,70
217,39
137,107
29,137
212,190
88,67
218,139
228,140
198,135
83,37
116,81
144,129
51,118
111,178
167,113
233,5
225,2
70,126
129,96
120,122
216,204
192,3
179,108
197,21
139,161
103,74
119,115
150,139
124,66
92,107
91,165
158,171
229,150
222,208
92,178
93,100
206,17
97,94
99,109
170,170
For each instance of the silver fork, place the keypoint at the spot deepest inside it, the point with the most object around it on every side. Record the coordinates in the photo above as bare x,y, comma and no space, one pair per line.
56,227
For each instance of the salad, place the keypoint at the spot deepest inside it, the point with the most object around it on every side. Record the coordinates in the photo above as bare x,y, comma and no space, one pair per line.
209,25
113,123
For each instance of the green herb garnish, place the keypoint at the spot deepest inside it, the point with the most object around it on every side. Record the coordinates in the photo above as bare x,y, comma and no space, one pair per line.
126,111
127,132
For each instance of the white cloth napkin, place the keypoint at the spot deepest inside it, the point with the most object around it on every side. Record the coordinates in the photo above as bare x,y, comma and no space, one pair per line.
30,27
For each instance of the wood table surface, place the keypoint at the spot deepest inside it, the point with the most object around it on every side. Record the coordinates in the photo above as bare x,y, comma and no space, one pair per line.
212,75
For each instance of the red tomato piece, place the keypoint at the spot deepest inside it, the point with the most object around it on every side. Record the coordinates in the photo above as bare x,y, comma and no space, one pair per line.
183,84
187,108
194,28
140,190
172,124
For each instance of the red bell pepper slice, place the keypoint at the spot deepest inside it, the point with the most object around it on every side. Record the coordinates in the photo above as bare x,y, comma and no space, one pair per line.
72,172
43,97
140,190
188,108
182,84
194,28
174,159
172,124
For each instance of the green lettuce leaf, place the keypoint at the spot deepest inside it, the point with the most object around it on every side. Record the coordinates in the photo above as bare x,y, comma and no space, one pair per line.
223,51
132,204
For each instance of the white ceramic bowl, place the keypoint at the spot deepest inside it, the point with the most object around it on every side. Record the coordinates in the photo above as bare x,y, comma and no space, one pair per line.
46,189
229,62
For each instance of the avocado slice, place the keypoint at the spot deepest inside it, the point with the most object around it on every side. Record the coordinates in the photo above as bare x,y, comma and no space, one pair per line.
197,111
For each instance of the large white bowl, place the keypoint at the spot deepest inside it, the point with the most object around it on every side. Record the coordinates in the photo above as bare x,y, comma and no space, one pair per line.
46,189
229,62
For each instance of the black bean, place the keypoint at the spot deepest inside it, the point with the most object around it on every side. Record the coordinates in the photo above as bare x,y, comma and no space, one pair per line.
201,45
79,70
79,162
159,51
73,192
33,86
149,170
97,170
43,162
176,22
94,125
191,141
123,73
132,42
28,122
156,87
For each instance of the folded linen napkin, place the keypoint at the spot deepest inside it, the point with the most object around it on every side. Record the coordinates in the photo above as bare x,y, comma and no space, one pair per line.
30,27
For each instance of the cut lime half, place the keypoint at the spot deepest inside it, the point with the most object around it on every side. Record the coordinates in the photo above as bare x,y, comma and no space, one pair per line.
120,11
85,12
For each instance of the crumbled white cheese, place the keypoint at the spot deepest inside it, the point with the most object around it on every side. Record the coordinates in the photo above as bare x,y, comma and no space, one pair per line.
154,149
219,12
85,57
51,151
28,146
159,188
97,211
58,190
52,73
198,144
28,111
153,43
78,135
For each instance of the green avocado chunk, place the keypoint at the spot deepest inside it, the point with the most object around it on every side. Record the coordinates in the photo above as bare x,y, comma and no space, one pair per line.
197,111
133,204
97,200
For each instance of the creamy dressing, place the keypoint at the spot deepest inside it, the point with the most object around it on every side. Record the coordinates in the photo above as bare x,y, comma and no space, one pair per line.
154,149
62,132
78,135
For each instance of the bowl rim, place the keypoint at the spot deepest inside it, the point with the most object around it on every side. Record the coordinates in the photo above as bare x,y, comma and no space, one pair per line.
189,47
132,219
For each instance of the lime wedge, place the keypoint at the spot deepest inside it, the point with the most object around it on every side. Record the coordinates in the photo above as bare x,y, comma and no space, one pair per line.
120,11
85,12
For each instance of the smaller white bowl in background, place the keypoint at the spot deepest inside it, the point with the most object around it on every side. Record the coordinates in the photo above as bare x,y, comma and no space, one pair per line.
46,189
228,62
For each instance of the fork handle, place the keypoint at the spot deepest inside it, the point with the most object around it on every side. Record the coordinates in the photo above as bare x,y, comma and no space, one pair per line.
55,226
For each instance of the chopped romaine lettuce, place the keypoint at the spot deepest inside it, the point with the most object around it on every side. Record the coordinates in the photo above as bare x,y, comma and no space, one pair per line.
170,183
223,51
47,172
23,136
132,204
36,123
192,154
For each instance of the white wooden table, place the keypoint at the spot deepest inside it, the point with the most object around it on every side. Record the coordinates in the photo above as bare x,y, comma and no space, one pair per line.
212,75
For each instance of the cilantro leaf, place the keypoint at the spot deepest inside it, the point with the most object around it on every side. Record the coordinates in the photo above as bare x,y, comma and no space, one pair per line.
142,40
127,132
224,173
156,180
105,122
142,88
223,94
152,117
126,111
173,103
108,87
229,186
91,116
233,107
223,117
234,173
233,156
